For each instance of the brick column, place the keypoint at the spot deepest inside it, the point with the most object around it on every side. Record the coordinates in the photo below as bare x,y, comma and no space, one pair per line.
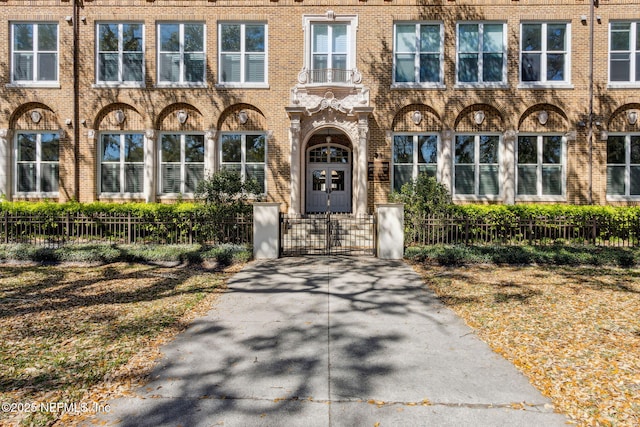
295,205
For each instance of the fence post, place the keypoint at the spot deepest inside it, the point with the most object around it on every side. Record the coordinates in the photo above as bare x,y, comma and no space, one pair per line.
6,226
266,230
68,226
191,228
390,232
129,227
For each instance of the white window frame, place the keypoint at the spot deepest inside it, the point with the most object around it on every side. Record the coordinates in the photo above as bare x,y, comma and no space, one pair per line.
539,165
35,51
627,165
415,164
504,83
416,82
243,53
476,165
181,82
243,154
330,18
183,164
634,52
122,163
120,82
543,82
38,162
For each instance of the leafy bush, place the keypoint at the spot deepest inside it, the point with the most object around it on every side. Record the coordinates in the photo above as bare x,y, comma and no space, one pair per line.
226,188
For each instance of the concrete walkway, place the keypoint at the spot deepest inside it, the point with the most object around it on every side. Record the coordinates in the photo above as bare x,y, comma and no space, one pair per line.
329,341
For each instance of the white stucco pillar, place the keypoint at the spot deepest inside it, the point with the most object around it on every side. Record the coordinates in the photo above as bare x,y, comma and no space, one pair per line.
360,166
5,163
390,232
149,185
210,152
508,167
295,203
445,162
266,230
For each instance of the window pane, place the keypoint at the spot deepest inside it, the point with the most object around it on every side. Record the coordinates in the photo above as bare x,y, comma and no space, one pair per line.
169,67
339,62
321,38
108,67
405,68
49,147
108,34
634,185
254,38
555,36
195,175
170,148
27,147
403,149
468,38
110,148
527,179
47,66
405,38
254,68
489,180
230,68
132,67
615,180
427,149
637,65
531,37
635,149
430,38
23,37
49,178
170,38
492,38
465,179
552,149
132,37
230,39
615,149
23,66
26,177
110,178
489,149
552,180
133,178
401,175
620,40
620,67
430,68
194,67
133,148
492,67
527,150
48,37
231,148
255,148
256,172
193,37
429,169
555,67
339,38
465,150
531,67
337,180
171,178
194,148
468,67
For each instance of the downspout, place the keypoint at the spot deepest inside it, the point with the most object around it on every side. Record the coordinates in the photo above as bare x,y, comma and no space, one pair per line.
76,99
592,4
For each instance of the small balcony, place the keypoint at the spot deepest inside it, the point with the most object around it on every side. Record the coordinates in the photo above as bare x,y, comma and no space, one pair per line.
329,77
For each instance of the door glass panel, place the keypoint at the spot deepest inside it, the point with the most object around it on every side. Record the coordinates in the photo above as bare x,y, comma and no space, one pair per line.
319,180
337,180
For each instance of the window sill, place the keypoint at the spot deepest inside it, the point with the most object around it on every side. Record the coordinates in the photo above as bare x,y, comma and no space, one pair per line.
36,195
547,85
532,199
622,198
120,196
473,198
118,86
172,85
33,85
423,86
623,85
173,196
481,86
242,86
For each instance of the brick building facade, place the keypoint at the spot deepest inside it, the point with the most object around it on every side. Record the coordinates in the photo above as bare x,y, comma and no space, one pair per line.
504,101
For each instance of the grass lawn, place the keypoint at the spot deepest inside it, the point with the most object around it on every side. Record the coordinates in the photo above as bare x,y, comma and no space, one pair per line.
573,331
82,334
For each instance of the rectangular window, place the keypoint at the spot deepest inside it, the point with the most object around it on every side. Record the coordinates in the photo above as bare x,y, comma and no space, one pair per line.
34,52
482,53
37,162
245,154
476,167
181,163
412,155
623,165
330,53
540,165
181,53
624,52
544,52
243,53
120,53
418,53
121,163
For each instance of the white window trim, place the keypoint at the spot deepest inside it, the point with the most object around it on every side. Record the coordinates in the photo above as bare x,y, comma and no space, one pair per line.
633,84
544,84
122,194
38,163
122,83
415,164
627,170
51,84
415,84
182,163
539,197
243,154
476,154
505,51
242,84
181,83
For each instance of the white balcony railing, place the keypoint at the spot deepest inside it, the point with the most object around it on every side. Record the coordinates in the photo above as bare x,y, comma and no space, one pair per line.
329,76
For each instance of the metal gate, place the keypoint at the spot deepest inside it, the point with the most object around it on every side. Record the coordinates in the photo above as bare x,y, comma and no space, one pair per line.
327,234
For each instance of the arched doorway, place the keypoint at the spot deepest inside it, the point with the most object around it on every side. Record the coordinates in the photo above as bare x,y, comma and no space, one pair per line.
328,174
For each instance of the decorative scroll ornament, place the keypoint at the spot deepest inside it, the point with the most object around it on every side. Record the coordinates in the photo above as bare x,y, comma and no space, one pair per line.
303,76
416,117
478,117
36,116
632,117
543,117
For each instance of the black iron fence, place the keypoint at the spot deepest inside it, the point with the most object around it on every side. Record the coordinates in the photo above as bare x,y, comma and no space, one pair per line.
543,230
124,228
